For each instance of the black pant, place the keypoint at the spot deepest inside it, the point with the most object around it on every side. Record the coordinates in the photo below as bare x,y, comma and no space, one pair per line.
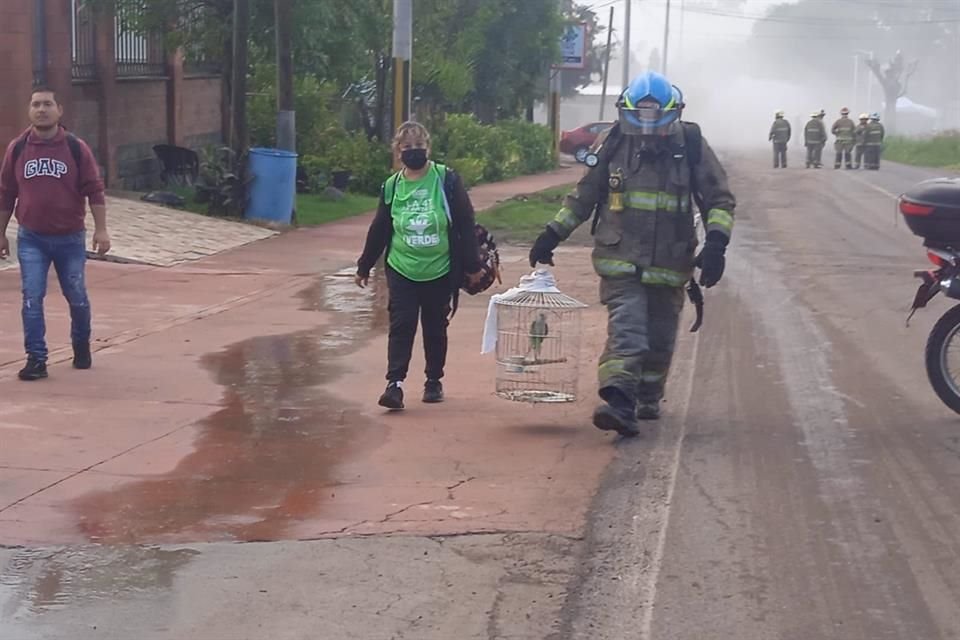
779,155
410,302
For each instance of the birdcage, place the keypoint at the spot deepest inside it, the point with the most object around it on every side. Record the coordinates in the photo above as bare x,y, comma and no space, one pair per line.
537,330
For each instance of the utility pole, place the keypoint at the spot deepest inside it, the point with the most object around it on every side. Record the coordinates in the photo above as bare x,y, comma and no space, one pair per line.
286,116
555,108
606,64
856,78
666,39
626,43
239,138
402,56
683,13
40,55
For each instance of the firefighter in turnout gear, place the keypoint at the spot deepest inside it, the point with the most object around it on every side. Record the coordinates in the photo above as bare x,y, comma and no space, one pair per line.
814,138
642,181
859,140
780,136
844,130
873,142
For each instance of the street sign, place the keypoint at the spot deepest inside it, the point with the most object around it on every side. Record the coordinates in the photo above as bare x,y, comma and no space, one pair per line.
573,47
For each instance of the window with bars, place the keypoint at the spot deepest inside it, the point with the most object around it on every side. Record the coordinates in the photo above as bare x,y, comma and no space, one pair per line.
83,51
137,54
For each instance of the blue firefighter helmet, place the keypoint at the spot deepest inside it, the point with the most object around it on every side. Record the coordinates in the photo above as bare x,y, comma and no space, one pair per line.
650,105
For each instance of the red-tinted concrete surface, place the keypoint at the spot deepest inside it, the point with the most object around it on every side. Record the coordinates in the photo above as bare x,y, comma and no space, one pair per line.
235,398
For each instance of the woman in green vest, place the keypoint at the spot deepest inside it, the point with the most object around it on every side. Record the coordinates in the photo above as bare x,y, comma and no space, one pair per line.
425,223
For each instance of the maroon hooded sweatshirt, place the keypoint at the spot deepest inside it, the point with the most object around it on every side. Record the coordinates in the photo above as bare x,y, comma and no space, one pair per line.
46,185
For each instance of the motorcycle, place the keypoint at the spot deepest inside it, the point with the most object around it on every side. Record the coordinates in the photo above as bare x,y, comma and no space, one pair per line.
931,210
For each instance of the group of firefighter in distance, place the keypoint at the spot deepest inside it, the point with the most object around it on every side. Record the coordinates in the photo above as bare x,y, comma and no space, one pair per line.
855,144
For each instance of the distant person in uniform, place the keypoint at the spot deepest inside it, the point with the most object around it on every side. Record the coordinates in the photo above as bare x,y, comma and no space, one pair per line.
859,140
844,131
780,136
873,142
814,137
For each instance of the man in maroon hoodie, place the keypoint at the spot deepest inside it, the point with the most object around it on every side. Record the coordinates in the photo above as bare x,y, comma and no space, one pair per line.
47,176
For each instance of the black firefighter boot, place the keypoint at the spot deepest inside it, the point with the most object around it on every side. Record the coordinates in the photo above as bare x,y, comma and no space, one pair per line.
618,413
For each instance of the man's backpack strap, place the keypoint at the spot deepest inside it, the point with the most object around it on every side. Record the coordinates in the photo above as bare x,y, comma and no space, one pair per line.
73,142
76,150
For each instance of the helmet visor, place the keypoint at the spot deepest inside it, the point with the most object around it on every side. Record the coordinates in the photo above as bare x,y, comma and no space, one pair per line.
647,118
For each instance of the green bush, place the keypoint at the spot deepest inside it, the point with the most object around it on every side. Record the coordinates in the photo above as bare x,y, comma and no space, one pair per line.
942,150
534,142
315,104
340,150
488,153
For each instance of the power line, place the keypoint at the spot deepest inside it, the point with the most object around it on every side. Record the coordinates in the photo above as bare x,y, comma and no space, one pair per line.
817,21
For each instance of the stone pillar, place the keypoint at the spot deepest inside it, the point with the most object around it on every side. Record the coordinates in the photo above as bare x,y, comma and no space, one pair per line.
175,98
59,54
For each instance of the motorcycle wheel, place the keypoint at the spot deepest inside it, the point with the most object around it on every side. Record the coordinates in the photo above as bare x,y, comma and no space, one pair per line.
943,358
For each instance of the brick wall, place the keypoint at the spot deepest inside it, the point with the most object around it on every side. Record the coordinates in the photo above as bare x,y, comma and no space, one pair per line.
121,119
200,110
81,114
16,66
140,123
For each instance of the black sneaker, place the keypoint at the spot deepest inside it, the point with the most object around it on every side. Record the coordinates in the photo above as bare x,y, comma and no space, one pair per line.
81,355
392,397
35,370
432,391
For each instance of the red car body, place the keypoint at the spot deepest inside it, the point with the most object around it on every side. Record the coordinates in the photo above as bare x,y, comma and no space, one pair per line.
577,142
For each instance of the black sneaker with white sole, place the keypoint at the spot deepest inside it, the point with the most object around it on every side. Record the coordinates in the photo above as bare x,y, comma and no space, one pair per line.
392,397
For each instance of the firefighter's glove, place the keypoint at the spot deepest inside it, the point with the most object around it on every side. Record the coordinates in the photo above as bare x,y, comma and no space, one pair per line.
711,260
542,250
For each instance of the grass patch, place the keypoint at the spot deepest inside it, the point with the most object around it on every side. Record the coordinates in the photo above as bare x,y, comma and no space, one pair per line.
942,150
521,218
312,209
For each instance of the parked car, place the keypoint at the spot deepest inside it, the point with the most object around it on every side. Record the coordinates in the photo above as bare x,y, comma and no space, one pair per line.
577,141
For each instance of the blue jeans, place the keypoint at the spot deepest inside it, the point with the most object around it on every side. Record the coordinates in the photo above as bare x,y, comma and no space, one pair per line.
68,253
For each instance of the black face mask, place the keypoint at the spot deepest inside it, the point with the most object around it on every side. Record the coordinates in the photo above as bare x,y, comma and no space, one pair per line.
415,159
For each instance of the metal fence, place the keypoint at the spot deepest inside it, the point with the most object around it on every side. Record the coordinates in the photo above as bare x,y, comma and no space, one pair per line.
83,41
137,54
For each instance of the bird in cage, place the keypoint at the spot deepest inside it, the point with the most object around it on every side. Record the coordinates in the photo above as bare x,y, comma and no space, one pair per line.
539,329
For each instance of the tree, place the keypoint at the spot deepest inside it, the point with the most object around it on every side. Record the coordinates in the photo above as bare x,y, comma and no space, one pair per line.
814,49
894,78
488,57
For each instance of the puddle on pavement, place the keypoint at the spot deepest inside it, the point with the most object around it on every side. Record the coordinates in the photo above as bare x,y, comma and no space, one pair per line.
269,457
35,583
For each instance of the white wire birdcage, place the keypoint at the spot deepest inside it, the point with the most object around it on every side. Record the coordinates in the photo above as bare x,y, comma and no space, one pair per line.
538,332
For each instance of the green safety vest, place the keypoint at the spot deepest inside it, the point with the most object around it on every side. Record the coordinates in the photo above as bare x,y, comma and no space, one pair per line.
420,214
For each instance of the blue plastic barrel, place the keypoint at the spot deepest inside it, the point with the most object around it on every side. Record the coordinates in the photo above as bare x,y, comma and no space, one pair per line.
274,185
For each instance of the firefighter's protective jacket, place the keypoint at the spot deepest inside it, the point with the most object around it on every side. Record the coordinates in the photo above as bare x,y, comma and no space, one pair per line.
654,232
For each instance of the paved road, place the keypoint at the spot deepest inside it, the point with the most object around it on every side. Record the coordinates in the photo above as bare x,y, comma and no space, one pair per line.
804,483
807,485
